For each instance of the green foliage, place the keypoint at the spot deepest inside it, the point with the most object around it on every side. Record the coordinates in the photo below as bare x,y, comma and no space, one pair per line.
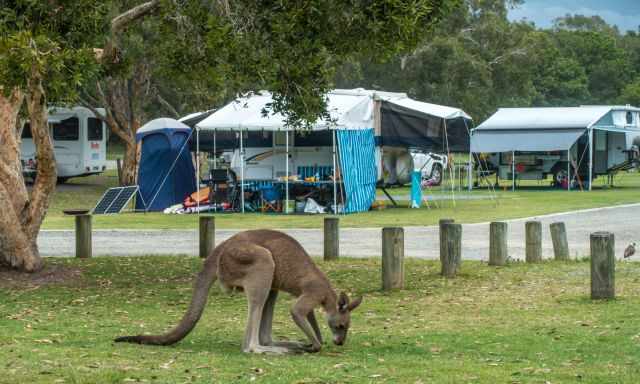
478,60
55,38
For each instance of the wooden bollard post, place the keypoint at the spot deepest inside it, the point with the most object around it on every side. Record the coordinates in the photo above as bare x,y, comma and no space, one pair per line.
83,236
331,238
207,235
452,238
603,266
498,250
533,235
441,223
392,258
559,240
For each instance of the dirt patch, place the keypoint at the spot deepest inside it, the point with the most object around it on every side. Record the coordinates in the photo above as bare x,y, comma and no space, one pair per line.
50,274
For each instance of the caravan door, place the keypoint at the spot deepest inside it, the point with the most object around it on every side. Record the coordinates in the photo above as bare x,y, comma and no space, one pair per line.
95,146
600,157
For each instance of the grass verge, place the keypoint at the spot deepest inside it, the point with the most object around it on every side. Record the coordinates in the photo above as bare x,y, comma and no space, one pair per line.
517,324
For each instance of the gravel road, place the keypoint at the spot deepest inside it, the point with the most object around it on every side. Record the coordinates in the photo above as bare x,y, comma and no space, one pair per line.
420,242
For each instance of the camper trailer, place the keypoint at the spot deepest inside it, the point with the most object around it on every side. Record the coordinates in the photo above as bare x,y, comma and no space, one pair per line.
534,143
79,140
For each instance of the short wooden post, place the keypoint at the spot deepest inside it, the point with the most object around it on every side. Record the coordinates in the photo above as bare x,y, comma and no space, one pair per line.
452,238
559,240
392,258
498,250
533,234
603,266
331,238
207,235
441,223
83,236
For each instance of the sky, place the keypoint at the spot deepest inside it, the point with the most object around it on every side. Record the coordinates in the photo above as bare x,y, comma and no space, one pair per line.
623,13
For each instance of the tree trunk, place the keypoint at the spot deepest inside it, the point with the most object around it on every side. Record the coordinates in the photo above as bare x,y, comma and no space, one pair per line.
23,213
129,163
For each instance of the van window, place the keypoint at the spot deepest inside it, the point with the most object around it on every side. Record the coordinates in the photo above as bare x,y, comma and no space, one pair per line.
94,129
26,131
629,118
67,130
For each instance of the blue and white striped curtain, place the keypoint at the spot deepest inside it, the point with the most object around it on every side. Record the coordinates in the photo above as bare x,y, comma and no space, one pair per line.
358,166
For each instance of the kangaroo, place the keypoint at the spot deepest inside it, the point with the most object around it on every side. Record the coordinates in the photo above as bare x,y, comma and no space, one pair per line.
262,263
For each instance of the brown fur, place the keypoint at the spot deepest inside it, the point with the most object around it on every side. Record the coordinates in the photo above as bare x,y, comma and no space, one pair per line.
262,263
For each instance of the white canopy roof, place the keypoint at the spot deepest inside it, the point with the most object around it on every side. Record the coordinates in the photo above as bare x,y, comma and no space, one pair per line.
348,109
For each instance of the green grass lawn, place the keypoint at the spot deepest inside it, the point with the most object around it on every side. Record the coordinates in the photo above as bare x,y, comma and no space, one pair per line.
517,324
531,199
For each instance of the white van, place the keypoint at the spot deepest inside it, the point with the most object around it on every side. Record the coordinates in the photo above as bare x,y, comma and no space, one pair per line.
79,140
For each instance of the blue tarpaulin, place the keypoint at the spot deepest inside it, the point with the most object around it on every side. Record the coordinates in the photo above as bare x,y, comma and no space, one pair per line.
359,171
166,174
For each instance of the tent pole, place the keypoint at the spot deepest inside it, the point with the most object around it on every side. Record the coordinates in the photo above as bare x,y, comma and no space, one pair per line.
590,157
335,187
215,160
513,170
241,172
569,169
286,166
215,166
470,170
198,168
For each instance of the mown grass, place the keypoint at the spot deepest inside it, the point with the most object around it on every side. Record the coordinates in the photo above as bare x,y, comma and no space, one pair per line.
517,324
530,200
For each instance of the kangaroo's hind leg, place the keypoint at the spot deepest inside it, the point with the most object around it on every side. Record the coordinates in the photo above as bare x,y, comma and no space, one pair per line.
257,275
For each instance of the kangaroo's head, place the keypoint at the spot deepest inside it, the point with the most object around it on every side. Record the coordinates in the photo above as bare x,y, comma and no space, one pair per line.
340,320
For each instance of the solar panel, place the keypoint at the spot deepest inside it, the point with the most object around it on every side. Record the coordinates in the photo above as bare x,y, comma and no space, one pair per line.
115,199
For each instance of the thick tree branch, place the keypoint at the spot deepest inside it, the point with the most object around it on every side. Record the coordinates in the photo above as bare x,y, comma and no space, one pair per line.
167,105
120,22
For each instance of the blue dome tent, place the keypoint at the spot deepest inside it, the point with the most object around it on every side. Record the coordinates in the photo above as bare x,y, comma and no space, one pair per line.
166,174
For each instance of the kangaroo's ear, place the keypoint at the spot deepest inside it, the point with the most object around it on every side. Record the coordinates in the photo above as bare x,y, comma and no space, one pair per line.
354,304
343,302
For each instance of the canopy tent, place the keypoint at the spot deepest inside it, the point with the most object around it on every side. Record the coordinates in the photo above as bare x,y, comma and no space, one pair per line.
402,122
166,175
547,129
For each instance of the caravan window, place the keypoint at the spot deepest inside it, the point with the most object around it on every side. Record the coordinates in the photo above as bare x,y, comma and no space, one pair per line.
629,118
94,129
67,130
26,131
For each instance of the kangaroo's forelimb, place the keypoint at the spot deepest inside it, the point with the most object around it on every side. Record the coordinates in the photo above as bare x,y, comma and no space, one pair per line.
201,287
300,312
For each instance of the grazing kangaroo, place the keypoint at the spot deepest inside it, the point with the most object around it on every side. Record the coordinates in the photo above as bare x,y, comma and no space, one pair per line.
263,262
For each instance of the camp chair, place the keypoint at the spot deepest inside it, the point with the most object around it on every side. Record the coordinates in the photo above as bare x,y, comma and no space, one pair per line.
269,197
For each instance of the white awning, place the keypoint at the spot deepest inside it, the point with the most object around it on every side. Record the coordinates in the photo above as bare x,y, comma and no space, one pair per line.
524,141
440,111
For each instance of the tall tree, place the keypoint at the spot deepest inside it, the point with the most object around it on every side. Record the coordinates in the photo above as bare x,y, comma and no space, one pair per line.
209,51
45,53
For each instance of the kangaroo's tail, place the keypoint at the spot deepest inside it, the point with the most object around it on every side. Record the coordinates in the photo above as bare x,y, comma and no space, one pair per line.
203,283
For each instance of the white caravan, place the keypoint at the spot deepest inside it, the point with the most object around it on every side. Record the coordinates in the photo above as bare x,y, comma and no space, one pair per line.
79,140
